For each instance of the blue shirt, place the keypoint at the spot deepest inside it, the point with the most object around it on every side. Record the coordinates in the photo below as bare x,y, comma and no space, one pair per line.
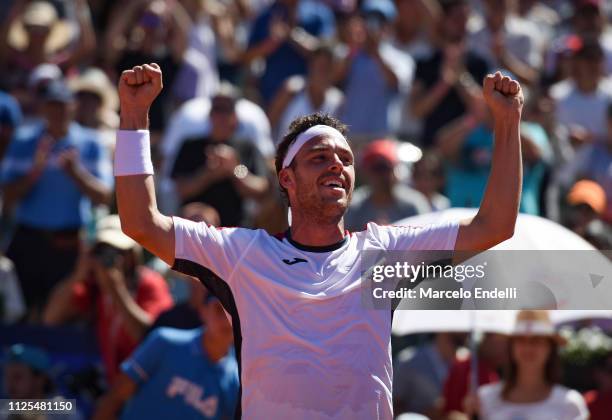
368,96
314,17
467,178
177,380
10,113
55,202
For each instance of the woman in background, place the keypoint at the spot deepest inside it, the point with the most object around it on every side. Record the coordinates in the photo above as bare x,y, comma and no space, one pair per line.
530,390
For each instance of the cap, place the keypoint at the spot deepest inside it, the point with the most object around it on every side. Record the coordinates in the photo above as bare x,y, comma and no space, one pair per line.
95,81
42,14
385,8
382,148
535,323
108,231
589,193
44,73
34,357
39,13
57,91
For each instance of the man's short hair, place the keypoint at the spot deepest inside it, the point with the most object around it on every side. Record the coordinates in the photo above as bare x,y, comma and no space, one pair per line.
298,126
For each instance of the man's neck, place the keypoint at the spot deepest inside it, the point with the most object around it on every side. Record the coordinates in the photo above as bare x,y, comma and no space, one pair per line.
312,233
215,349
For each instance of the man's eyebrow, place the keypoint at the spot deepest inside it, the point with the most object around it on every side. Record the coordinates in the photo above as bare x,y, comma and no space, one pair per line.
324,147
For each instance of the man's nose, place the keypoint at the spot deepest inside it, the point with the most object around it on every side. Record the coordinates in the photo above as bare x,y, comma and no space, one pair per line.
336,164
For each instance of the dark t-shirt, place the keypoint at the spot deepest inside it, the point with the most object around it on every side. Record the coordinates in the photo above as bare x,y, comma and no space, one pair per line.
451,107
222,195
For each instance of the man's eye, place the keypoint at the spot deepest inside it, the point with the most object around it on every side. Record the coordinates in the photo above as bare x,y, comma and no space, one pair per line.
318,158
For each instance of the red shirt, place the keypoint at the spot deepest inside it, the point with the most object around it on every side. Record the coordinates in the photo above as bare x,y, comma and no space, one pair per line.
599,404
115,343
458,382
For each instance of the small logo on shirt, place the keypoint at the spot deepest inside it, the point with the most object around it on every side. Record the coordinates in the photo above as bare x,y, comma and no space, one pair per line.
294,261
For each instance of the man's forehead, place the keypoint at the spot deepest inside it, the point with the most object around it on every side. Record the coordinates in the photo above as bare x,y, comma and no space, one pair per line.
325,142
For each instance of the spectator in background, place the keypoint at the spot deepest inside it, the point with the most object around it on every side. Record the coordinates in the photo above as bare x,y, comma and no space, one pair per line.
492,357
428,179
110,281
383,199
587,203
144,31
52,172
30,95
220,169
531,386
305,95
413,34
543,16
415,26
10,118
178,374
467,146
447,83
373,73
599,401
593,161
419,374
283,36
583,99
211,35
33,34
509,42
26,377
97,103
588,21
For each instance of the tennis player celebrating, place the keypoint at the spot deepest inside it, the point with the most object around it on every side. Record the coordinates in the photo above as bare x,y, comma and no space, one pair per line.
306,345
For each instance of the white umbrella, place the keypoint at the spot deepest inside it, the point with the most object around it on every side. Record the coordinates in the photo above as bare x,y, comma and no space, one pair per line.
573,276
531,232
424,321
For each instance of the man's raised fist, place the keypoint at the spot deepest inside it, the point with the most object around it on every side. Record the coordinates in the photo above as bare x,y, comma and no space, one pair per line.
139,86
503,95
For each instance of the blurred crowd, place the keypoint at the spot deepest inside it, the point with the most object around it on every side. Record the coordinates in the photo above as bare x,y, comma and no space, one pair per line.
404,75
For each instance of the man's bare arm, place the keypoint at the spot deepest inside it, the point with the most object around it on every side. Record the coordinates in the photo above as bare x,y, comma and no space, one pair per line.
496,218
140,218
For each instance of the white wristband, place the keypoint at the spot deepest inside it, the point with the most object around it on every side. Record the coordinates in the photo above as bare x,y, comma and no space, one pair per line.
133,153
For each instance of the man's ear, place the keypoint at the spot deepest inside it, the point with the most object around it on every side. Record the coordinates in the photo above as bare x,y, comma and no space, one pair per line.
285,178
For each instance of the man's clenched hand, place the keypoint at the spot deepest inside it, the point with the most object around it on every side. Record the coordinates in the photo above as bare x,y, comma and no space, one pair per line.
503,96
138,88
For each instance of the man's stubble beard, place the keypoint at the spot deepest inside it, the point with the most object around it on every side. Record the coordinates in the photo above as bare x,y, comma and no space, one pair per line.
315,209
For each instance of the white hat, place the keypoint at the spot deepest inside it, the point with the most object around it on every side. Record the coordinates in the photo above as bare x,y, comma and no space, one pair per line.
108,231
95,80
41,13
536,323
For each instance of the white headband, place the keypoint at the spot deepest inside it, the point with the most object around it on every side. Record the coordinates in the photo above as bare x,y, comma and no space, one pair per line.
312,132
